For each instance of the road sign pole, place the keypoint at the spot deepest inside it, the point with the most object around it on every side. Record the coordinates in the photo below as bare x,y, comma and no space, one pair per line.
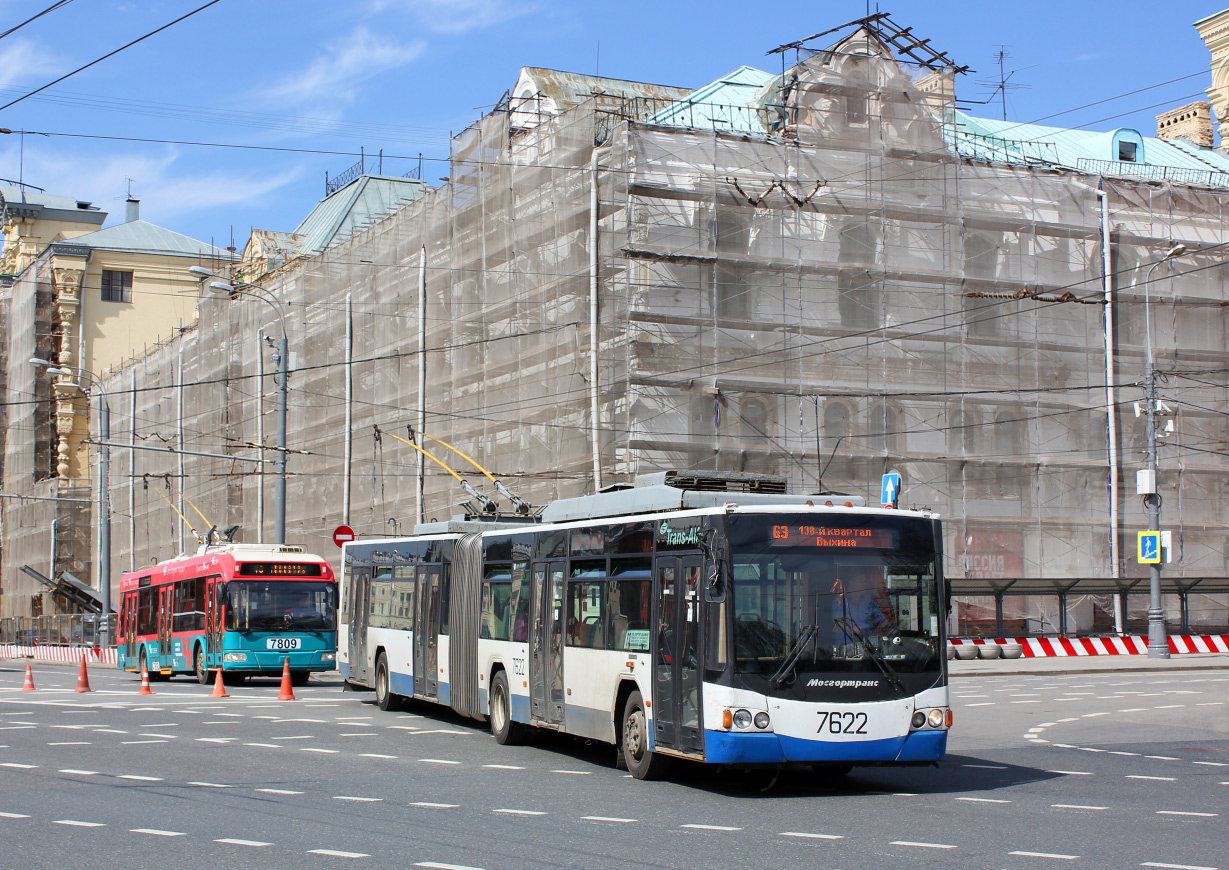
1158,643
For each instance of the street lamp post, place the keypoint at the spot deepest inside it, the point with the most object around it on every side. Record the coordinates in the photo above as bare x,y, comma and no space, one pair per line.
283,372
104,494
1158,642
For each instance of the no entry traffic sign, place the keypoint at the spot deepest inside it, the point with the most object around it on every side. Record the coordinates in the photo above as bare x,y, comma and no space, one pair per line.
342,534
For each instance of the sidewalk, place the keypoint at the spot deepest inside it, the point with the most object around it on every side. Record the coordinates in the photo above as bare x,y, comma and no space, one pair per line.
1086,664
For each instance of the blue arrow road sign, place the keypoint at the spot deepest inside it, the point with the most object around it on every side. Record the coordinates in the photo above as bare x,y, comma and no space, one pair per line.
889,496
1149,548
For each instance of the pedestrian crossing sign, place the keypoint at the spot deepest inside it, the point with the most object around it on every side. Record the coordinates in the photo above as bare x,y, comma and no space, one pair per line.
1149,552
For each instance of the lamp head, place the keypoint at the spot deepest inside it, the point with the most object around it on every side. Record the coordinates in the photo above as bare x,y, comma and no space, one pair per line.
223,286
202,271
38,361
1177,249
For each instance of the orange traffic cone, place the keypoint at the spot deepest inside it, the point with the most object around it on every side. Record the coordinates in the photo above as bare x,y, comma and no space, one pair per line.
28,685
219,689
287,693
83,678
145,689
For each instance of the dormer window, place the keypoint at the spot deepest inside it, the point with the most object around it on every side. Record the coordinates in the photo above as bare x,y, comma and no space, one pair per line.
1127,152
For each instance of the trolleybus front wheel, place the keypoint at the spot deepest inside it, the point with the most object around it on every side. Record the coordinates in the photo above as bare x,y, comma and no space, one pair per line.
385,699
299,678
198,665
642,763
505,731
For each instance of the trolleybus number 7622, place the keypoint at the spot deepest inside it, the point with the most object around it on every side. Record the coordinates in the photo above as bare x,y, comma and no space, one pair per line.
841,723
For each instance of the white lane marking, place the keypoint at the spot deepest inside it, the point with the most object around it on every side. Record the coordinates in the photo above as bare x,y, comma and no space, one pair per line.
74,823
1134,710
364,734
1118,752
1174,866
278,791
314,749
607,819
266,745
297,737
811,836
72,743
362,800
439,866
710,827
140,778
981,704
1077,807
1181,813
573,772
375,755
403,727
1154,778
210,785
438,761
983,800
108,731
986,766
504,766
334,853
1169,706
79,772
242,842
133,742
1162,757
1045,855
156,833
232,715
352,718
151,734
15,764
920,845
1213,763
520,812
434,806
441,731
1210,704
214,739
13,816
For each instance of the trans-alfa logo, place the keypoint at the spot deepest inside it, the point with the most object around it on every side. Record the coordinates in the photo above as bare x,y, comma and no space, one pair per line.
678,537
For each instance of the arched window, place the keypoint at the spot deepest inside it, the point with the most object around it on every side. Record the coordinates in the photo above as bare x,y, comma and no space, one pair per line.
963,432
1008,435
755,421
837,417
981,263
705,414
858,289
1128,296
884,429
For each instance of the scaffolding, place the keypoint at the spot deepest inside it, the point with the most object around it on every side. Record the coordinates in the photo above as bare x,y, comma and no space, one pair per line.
813,285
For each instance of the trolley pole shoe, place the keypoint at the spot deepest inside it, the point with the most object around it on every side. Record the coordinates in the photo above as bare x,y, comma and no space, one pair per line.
287,693
28,685
83,678
219,688
145,689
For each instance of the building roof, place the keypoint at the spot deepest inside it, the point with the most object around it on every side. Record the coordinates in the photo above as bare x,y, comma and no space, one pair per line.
360,203
730,103
146,238
28,202
567,89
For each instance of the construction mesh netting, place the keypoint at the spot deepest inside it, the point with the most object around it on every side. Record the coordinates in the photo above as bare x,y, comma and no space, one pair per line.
787,292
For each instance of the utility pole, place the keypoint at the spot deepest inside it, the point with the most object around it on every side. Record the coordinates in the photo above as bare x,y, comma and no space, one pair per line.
1158,643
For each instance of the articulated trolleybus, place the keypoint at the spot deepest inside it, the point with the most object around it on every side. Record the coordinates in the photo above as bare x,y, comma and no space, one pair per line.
712,618
243,608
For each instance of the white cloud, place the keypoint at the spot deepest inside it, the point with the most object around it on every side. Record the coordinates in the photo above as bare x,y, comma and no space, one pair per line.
22,60
333,75
167,191
456,16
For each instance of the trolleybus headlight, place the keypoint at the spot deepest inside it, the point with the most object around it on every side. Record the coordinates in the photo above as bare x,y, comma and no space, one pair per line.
742,718
234,657
328,657
919,719
761,721
935,718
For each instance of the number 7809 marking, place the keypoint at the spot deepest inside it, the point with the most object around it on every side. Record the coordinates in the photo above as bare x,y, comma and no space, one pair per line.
837,722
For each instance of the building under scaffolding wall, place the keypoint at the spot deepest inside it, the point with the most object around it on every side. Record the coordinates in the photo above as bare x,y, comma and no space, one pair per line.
799,274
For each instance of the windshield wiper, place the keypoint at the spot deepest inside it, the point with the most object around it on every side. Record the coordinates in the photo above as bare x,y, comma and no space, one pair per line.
791,659
850,626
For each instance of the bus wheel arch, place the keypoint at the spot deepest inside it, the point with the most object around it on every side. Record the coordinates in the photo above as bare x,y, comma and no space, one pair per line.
622,692
198,664
641,761
499,706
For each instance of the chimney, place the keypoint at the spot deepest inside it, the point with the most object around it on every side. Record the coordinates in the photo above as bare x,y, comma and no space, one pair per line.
132,210
1192,122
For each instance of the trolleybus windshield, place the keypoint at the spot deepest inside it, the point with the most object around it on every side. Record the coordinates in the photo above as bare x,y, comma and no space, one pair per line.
281,605
812,599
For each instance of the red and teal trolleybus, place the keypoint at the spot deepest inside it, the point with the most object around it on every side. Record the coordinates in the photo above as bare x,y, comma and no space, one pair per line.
243,608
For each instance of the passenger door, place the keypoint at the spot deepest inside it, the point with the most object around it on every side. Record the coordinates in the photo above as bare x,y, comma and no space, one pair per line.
665,595
360,615
426,634
546,642
129,619
677,721
166,616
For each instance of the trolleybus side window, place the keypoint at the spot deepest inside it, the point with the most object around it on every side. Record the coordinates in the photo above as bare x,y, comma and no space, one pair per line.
495,621
392,599
189,605
147,615
519,604
628,604
587,604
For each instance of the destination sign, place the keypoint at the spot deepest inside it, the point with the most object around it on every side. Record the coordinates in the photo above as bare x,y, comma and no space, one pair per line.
834,537
278,569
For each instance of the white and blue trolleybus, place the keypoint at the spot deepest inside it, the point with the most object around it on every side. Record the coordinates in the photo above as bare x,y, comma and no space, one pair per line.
707,616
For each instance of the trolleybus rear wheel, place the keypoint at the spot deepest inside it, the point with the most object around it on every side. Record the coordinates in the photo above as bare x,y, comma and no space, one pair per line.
643,763
505,731
385,699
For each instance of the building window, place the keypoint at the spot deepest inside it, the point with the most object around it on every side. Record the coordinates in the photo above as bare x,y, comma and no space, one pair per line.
116,286
836,424
981,257
1127,152
962,436
858,292
884,429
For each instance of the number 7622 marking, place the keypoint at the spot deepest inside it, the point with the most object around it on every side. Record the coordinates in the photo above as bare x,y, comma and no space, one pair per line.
836,722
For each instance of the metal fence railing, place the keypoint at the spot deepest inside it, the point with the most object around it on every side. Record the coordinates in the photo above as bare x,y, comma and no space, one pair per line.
80,629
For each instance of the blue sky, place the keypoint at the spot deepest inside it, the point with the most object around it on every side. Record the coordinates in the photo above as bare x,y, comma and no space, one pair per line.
401,74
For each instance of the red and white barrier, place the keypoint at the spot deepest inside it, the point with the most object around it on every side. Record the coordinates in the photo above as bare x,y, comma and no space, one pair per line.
1045,647
48,652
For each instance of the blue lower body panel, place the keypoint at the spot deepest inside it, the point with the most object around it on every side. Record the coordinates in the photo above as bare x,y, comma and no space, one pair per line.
401,684
723,747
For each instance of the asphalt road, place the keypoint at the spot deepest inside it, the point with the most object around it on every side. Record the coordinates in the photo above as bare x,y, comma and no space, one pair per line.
1094,770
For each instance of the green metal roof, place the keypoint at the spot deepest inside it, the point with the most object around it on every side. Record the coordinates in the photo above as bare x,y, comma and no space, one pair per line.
362,202
144,237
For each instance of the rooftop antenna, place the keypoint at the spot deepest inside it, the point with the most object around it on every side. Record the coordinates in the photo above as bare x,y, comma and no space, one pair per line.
1003,83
